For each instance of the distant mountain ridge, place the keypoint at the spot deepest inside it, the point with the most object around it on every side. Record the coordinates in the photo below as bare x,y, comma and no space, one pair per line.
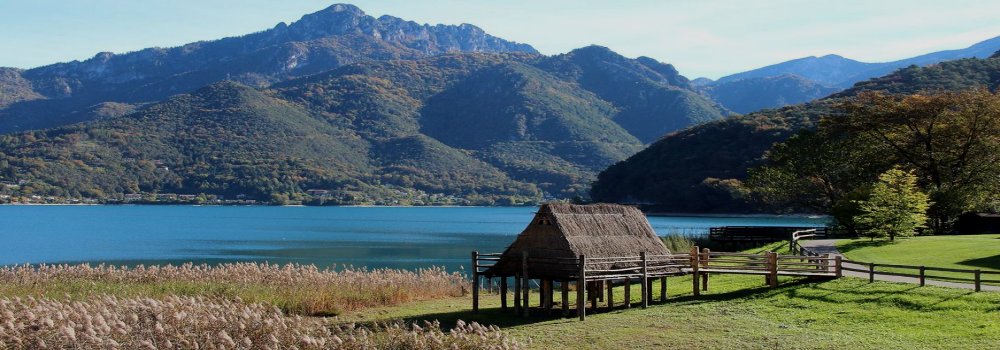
818,77
340,34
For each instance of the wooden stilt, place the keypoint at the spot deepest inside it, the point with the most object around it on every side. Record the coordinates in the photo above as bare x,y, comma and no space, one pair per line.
704,263
644,280
526,287
475,281
564,287
611,296
694,270
517,293
628,292
581,289
593,290
663,288
503,293
547,295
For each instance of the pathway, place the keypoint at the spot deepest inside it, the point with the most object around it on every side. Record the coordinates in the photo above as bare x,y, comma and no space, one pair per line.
829,246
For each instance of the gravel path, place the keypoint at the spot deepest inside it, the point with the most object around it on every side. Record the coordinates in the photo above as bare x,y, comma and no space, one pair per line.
829,246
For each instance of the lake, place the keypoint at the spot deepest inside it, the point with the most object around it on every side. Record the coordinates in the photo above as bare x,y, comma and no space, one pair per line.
396,237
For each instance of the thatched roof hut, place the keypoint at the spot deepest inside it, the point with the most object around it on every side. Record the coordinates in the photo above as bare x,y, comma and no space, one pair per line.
562,232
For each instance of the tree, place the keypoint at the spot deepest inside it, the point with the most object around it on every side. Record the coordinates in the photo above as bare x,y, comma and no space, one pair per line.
895,208
951,140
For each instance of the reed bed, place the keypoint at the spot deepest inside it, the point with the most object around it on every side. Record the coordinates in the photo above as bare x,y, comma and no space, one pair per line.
295,289
199,322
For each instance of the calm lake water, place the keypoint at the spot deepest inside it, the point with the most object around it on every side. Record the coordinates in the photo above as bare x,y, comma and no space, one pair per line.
360,236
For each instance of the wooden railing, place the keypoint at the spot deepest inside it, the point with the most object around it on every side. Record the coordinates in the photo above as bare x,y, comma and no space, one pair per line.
760,234
796,248
975,276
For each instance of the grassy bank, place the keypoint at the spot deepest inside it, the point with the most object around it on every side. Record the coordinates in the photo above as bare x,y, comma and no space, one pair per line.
956,252
739,313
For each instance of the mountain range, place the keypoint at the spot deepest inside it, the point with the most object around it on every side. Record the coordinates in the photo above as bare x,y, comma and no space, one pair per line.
340,107
716,155
367,110
806,79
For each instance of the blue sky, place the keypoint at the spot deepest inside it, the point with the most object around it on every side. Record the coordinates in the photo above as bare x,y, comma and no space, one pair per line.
702,38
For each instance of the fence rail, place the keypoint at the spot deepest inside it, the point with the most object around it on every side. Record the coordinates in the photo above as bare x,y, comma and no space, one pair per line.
975,276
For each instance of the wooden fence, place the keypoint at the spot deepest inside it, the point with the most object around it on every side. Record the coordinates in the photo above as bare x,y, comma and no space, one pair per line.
974,277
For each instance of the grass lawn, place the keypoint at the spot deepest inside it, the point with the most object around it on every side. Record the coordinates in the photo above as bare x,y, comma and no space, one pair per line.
740,313
955,252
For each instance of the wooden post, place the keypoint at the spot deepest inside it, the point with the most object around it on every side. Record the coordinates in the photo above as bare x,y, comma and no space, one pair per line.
871,272
547,295
526,288
979,280
564,287
517,294
923,276
704,263
475,281
593,289
772,258
611,296
581,304
663,288
628,292
694,270
503,293
649,289
838,266
645,280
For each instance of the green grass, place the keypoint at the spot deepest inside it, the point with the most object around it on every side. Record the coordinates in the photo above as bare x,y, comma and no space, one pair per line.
740,313
953,252
956,252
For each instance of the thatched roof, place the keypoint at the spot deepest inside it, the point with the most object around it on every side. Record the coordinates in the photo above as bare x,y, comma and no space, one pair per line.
566,231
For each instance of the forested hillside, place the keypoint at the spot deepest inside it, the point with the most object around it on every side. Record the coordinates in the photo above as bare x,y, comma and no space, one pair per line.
458,128
702,168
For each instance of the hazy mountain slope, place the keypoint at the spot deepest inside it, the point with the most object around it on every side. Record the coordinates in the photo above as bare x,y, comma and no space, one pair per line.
754,94
837,71
687,170
764,87
652,98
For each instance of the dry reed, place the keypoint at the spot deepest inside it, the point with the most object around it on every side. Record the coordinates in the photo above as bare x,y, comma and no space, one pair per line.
296,289
175,322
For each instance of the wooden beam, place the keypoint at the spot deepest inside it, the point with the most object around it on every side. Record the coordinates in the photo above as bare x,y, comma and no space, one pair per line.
704,263
611,296
628,292
772,259
517,293
525,284
838,266
503,293
475,281
663,288
547,295
581,288
564,287
694,270
645,279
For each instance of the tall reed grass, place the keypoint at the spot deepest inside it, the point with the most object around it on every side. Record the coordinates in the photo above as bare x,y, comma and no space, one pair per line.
295,289
176,322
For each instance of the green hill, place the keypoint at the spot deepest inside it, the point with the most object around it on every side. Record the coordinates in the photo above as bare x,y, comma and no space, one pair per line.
464,128
699,169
